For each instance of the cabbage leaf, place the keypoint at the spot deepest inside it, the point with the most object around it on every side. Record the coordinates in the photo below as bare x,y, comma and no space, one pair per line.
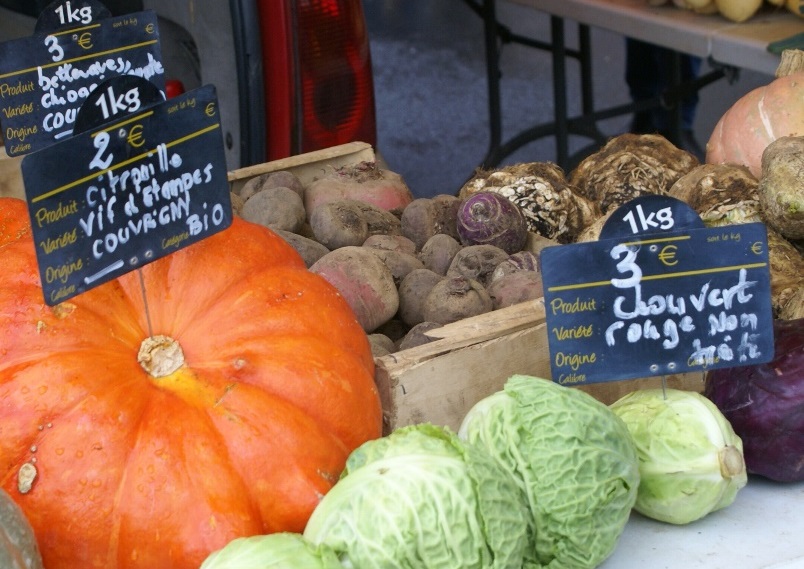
284,550
574,459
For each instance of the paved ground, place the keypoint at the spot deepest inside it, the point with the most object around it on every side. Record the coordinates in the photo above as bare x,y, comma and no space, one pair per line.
431,88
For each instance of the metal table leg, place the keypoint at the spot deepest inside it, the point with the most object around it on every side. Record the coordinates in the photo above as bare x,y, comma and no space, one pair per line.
560,108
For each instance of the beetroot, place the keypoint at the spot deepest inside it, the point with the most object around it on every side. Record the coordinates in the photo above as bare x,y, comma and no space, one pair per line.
765,405
364,281
365,182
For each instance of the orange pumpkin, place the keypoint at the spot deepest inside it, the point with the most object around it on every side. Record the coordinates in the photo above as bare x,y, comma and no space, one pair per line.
757,119
239,430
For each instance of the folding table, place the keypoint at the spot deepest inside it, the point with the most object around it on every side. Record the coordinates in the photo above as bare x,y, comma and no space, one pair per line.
726,46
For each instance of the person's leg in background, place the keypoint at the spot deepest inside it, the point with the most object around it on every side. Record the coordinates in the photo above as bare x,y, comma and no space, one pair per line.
642,75
647,74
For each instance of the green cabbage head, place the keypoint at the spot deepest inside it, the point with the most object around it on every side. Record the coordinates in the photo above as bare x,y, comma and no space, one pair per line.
574,459
282,550
690,460
420,498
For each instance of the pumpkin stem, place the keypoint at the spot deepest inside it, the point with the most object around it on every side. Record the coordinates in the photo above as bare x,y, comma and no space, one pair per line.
160,355
792,62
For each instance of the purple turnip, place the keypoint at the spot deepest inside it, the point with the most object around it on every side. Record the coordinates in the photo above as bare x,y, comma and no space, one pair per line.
487,218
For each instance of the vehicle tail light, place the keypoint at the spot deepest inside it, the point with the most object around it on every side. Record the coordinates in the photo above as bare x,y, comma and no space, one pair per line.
326,96
337,92
173,88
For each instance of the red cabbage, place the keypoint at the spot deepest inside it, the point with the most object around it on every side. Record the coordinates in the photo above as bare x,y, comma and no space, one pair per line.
765,405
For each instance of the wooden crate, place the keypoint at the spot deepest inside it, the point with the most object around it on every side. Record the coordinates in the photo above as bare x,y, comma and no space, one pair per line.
440,381
306,167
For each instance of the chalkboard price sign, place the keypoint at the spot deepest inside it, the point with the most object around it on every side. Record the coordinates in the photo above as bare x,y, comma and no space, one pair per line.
117,197
657,304
45,78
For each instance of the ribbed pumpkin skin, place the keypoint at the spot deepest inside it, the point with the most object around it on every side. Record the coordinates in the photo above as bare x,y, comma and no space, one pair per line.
757,119
132,471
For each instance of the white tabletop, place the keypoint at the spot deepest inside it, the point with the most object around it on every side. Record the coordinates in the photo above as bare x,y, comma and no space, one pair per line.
762,529
742,45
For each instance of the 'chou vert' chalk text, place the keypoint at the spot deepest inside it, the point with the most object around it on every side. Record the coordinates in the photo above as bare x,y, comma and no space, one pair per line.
667,318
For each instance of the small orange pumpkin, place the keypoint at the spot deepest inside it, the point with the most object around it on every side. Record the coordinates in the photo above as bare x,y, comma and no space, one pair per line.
760,117
237,418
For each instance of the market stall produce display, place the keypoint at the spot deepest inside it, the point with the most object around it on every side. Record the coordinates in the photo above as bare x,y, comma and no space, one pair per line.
367,249
241,402
722,194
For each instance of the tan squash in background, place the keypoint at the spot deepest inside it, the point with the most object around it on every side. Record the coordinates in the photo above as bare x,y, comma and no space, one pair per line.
760,117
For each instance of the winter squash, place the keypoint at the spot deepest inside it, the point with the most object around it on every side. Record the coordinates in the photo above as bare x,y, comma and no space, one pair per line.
233,417
760,117
18,548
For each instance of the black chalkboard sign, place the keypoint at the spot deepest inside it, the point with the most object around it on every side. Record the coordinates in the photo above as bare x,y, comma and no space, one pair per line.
45,78
658,304
117,197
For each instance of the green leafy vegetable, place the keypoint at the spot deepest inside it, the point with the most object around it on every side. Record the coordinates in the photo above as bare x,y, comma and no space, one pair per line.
421,498
282,550
573,458
690,460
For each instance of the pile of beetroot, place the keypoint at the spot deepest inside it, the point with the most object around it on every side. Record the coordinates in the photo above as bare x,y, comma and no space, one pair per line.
404,264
